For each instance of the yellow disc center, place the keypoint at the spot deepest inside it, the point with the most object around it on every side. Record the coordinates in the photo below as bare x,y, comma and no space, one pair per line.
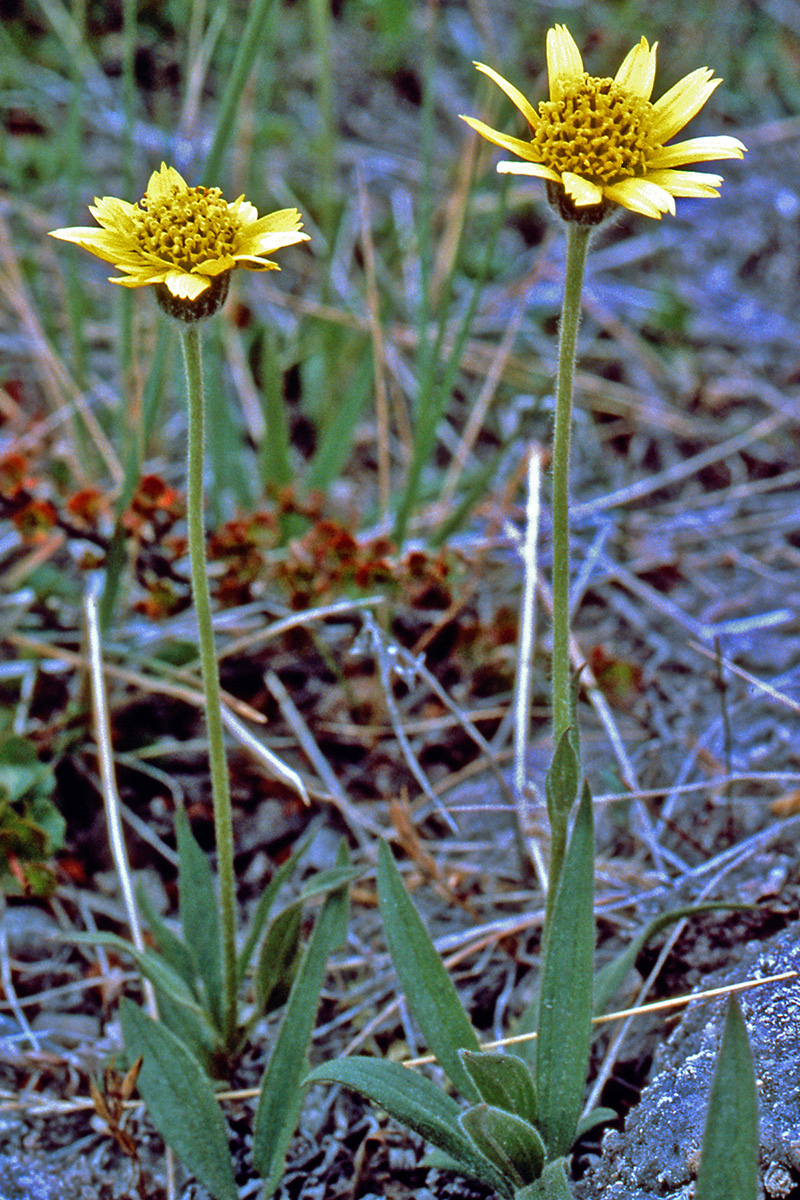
187,228
596,130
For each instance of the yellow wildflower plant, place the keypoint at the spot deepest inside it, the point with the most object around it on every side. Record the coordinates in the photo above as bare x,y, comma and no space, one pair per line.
602,142
184,240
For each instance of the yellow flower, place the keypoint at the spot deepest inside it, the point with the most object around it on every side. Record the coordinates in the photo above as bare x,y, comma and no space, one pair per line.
185,240
602,142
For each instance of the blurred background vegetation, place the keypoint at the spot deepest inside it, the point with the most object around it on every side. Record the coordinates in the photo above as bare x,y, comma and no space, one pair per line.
350,111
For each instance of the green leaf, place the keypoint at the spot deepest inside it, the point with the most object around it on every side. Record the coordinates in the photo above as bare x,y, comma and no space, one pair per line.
597,1116
199,908
281,1087
551,1185
328,881
565,1004
561,781
417,1103
153,967
513,1145
610,978
729,1157
430,991
180,1101
278,959
193,1028
264,906
504,1081
171,948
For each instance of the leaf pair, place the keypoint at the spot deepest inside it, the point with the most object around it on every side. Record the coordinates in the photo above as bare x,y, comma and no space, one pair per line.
180,1097
517,1122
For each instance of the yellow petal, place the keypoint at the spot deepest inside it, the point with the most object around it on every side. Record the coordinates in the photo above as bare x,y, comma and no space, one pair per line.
245,212
249,246
163,183
103,242
130,281
515,96
515,145
564,62
686,183
638,71
682,102
642,196
581,191
215,266
114,214
285,220
141,276
537,170
256,264
186,286
701,149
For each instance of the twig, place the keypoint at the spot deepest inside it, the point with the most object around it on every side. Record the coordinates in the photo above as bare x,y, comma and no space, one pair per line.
111,801
294,719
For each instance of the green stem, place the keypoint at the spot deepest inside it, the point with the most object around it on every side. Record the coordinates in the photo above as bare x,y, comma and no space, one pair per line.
220,788
562,795
577,246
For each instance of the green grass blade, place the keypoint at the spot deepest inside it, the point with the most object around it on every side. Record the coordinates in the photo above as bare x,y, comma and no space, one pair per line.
199,909
277,959
565,1003
281,1087
336,435
429,990
180,1101
171,948
274,455
417,1103
610,978
258,19
729,1156
264,906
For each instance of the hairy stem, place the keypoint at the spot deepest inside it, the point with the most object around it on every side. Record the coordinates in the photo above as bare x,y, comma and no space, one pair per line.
220,787
577,245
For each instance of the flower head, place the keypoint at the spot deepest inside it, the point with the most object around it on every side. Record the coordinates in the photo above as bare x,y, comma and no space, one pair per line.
185,240
602,142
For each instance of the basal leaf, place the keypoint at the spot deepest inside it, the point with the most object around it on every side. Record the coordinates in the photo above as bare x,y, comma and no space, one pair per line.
504,1081
565,998
199,909
417,1103
729,1157
264,907
281,1087
513,1145
430,991
277,958
180,1101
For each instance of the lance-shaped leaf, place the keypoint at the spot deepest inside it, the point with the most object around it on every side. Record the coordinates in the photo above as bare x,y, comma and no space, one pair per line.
281,1087
504,1081
551,1184
513,1145
199,910
417,1103
565,998
180,1101
430,991
729,1157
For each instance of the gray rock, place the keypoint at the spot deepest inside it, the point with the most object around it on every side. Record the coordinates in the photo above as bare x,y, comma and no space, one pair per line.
657,1154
